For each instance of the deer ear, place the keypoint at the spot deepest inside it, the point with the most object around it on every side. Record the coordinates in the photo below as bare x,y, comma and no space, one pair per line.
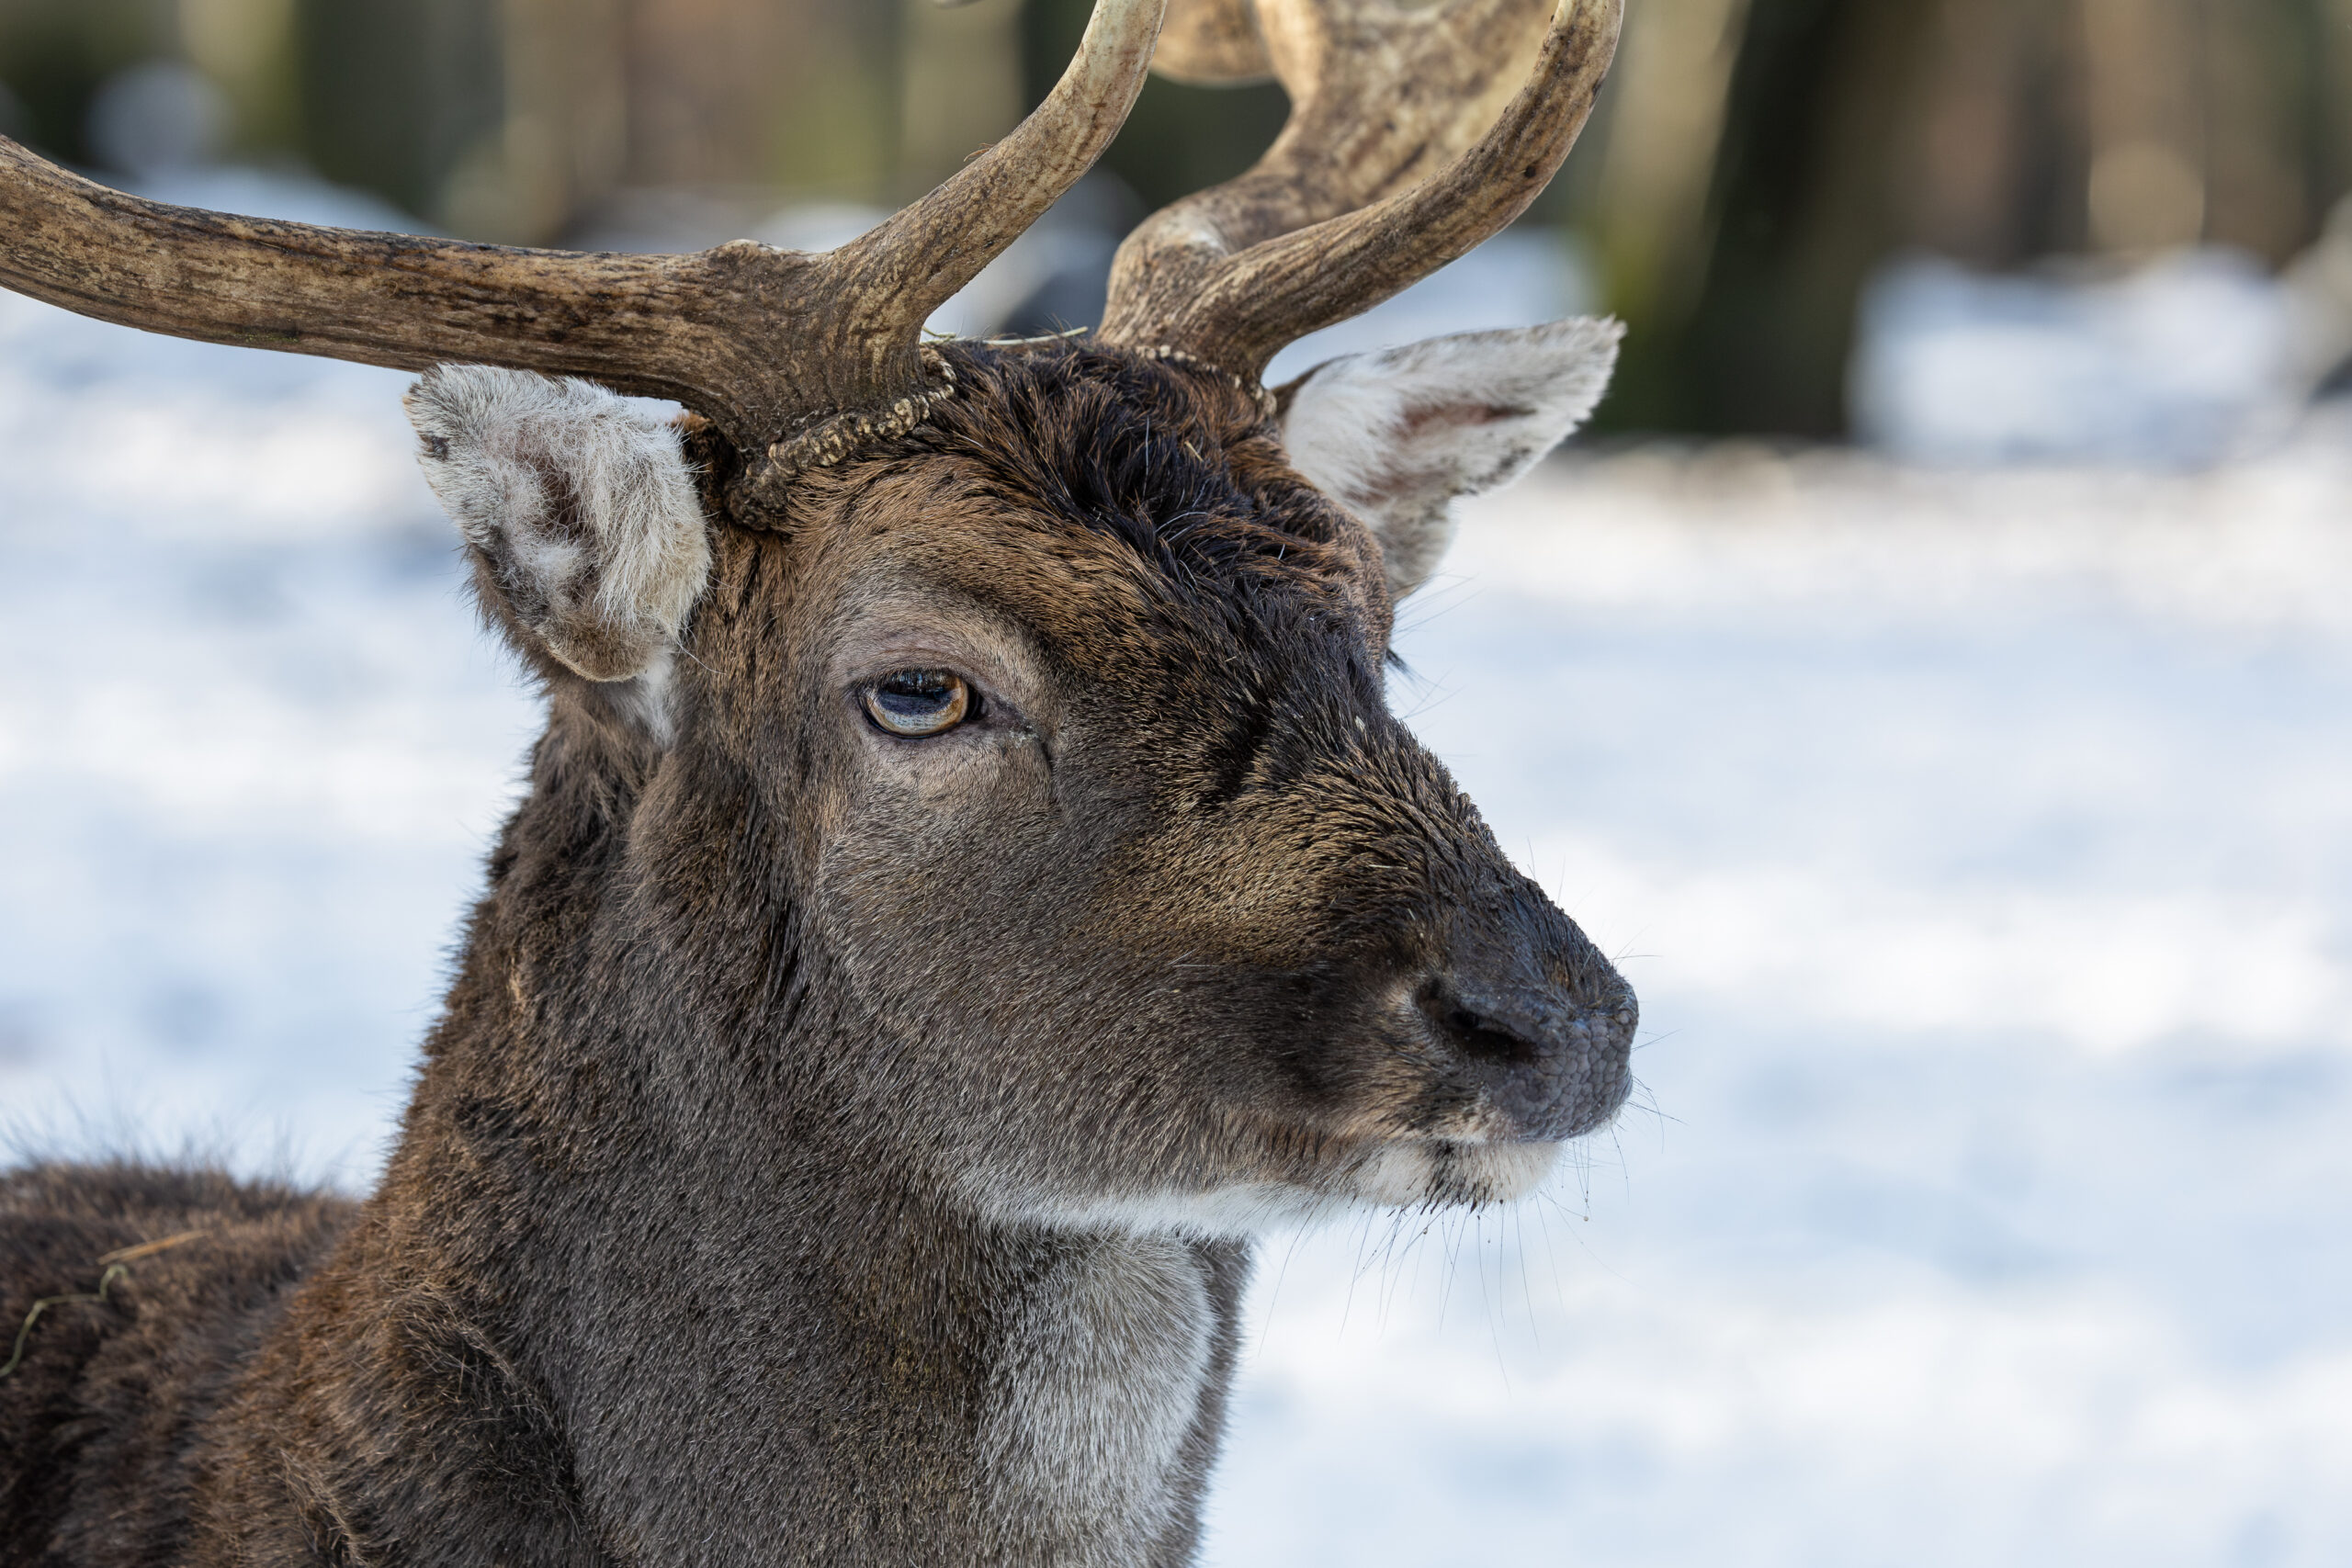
1397,435
586,534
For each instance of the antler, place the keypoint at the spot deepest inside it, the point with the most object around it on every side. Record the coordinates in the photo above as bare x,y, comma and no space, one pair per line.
757,339
1376,181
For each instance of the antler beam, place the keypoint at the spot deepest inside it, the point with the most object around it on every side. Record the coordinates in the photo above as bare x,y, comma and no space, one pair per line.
757,339
1379,177
657,325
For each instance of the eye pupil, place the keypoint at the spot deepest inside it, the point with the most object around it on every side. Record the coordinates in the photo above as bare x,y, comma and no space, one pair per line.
918,701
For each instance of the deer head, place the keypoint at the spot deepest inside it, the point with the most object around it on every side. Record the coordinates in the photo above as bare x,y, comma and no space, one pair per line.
1005,718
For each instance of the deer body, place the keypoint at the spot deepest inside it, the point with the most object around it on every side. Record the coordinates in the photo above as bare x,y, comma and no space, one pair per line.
970,884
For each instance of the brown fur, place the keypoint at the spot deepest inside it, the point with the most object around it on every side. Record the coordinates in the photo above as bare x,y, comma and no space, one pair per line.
831,1141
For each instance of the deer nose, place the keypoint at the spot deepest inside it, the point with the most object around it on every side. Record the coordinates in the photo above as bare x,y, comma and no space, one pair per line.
1548,1061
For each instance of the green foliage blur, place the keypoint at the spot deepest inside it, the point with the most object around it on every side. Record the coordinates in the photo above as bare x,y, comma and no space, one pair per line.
1752,162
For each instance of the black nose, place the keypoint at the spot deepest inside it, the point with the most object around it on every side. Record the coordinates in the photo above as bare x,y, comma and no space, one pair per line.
1549,1059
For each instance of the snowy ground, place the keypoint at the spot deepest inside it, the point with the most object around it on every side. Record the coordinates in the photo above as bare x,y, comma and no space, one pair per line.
1981,846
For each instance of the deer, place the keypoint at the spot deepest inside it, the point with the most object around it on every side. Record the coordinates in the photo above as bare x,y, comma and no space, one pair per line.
970,884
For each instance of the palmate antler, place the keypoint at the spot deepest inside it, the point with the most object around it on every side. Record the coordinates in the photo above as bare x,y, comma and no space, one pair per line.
1377,180
756,339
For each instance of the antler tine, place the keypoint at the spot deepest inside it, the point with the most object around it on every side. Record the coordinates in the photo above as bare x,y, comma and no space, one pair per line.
1376,181
911,265
757,339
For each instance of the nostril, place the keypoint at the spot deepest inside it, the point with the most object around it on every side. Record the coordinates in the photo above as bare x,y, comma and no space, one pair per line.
1478,1037
1544,1061
1476,1034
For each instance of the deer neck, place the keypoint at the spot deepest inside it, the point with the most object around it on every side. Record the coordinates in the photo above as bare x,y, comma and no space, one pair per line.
747,1319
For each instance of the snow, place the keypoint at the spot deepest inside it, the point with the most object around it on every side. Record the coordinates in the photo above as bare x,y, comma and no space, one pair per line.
250,746
2187,359
1978,842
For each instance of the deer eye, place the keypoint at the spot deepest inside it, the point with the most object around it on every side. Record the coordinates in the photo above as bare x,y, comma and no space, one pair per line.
920,702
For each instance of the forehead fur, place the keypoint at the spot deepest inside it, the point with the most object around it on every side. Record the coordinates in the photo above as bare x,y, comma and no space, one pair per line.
1178,472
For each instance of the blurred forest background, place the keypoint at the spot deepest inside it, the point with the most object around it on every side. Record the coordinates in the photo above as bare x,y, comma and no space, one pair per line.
1755,165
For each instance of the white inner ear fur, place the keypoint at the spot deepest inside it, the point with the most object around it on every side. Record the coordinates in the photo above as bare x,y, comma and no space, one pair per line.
580,507
1396,435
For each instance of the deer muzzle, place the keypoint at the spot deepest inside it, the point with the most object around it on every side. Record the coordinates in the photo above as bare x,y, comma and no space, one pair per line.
1538,1029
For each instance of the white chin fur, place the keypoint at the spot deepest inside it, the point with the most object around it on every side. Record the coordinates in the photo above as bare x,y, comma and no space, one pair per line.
1412,1175
1394,1176
1508,1171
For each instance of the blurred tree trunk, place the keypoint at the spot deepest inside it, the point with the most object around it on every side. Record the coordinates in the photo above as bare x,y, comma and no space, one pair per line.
2328,37
1991,132
799,95
397,95
2261,84
1657,154
961,86
2145,118
53,59
246,47
1984,151
561,142
1179,139
507,119
1799,213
